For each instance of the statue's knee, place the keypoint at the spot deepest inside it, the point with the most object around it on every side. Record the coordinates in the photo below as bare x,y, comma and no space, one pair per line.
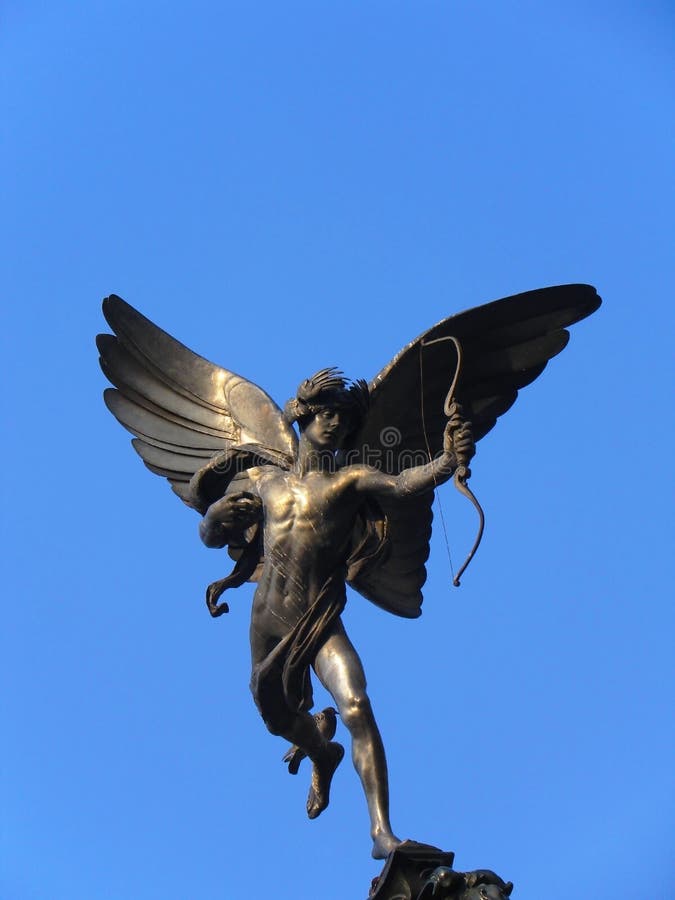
278,725
275,721
355,709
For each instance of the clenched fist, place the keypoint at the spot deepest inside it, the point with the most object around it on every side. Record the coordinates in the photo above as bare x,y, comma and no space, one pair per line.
232,514
458,437
237,510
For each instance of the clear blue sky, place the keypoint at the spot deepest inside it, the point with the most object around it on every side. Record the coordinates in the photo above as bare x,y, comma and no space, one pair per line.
288,186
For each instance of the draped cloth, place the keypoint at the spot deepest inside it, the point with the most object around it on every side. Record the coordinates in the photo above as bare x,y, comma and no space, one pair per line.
281,682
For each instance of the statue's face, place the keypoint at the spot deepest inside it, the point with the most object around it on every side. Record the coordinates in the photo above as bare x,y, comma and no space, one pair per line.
328,429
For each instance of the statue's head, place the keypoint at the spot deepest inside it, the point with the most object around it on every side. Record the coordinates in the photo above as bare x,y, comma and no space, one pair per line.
329,408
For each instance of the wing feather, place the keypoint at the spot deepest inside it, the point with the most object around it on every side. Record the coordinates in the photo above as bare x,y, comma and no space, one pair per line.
166,459
125,371
138,419
189,374
514,358
396,584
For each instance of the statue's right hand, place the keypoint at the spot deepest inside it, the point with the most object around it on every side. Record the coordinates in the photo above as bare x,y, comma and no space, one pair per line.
236,510
239,509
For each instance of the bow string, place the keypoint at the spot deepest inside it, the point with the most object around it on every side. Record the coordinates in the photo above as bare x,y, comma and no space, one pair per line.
462,472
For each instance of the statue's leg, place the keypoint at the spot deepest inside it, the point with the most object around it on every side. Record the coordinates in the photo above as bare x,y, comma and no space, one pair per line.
340,671
324,755
300,728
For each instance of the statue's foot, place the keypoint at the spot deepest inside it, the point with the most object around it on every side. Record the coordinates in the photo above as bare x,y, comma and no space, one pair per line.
322,775
383,844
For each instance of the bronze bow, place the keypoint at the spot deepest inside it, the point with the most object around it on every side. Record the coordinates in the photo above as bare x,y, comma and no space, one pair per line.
462,472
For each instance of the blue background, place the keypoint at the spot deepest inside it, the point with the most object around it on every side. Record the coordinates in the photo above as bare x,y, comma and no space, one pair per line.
288,186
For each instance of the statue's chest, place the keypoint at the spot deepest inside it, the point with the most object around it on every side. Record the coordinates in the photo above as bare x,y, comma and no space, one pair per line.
304,500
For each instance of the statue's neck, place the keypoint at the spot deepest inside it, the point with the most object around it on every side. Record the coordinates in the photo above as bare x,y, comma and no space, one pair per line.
313,459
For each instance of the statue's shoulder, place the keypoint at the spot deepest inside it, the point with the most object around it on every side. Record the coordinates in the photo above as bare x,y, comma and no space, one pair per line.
347,477
260,474
355,471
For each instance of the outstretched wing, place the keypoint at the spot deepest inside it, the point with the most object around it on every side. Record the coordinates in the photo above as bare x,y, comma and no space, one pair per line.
505,345
183,409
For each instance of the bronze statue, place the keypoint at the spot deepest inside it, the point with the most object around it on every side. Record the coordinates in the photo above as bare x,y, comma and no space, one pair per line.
345,501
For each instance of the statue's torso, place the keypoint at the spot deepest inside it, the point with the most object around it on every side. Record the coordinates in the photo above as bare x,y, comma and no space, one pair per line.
308,522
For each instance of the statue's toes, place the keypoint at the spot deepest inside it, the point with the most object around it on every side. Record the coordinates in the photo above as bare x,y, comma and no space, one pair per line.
314,805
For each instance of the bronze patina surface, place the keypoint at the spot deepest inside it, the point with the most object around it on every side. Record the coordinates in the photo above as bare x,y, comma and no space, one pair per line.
345,499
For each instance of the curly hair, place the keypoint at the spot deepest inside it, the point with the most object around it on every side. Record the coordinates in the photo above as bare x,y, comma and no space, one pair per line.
328,388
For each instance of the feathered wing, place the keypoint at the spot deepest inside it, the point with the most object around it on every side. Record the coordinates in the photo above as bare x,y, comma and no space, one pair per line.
394,576
192,420
505,345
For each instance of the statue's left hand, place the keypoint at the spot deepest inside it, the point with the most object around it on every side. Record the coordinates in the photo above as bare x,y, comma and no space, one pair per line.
458,437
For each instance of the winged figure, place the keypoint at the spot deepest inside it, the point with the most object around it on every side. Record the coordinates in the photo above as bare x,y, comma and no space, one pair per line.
345,499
